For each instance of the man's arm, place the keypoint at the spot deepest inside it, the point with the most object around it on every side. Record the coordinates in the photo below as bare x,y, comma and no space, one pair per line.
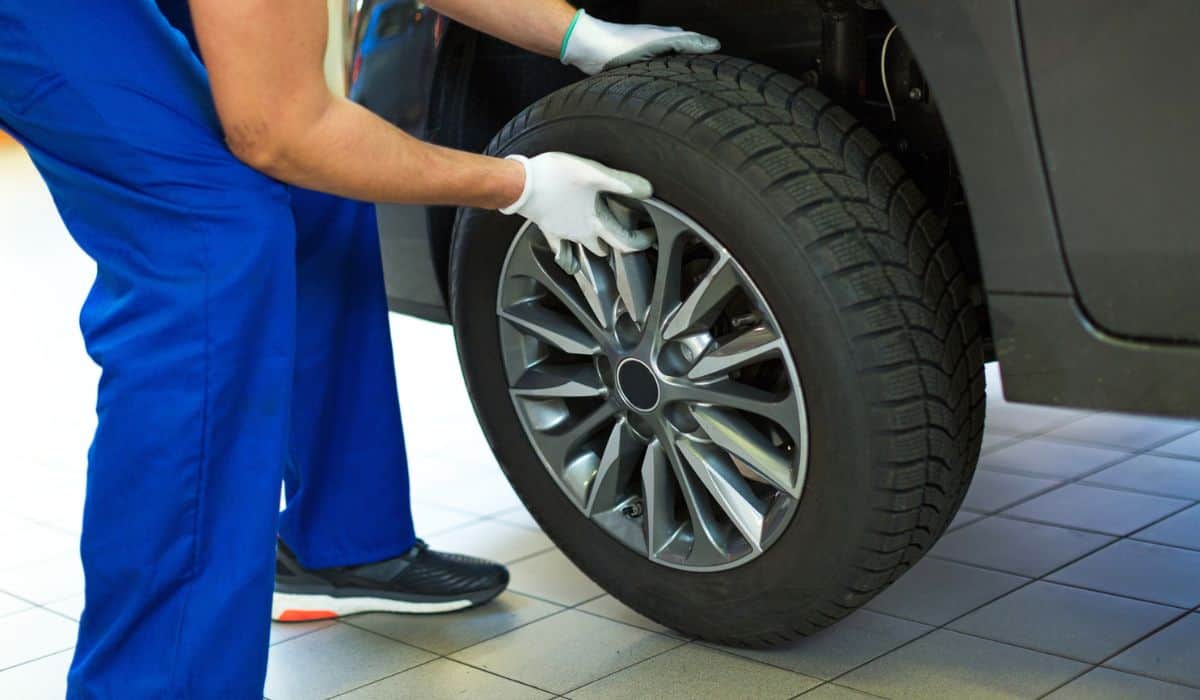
265,61
534,25
553,28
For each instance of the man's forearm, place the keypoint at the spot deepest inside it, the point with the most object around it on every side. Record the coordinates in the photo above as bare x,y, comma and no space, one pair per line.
351,152
266,69
534,25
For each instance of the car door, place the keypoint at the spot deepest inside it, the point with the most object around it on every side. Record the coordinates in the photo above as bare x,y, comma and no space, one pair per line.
1114,87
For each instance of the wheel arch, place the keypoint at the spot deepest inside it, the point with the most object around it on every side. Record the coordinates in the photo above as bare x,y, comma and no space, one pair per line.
969,53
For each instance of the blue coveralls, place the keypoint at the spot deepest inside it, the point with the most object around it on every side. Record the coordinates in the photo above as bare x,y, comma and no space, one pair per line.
243,336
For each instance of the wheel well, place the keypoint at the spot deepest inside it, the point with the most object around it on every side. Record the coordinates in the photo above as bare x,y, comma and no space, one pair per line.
483,83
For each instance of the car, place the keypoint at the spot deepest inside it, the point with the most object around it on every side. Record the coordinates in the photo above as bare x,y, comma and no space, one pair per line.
753,428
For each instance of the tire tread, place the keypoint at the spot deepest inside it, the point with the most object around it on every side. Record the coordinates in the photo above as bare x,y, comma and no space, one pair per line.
885,261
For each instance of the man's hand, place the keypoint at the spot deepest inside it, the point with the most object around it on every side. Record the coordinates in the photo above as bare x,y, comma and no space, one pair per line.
563,197
593,45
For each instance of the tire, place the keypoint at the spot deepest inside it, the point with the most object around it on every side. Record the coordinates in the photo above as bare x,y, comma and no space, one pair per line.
865,285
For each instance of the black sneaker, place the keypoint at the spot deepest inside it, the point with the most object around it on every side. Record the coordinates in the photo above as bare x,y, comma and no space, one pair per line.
420,581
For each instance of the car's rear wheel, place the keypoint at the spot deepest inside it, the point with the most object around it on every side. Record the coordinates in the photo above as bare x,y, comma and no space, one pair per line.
752,428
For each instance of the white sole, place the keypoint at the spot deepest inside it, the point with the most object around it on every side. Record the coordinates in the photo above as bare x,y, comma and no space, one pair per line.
297,607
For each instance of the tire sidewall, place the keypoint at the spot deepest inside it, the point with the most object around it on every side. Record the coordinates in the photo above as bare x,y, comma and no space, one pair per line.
813,558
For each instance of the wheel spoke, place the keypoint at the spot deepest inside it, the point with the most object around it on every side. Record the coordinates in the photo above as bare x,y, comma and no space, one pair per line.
707,542
595,280
784,411
660,492
668,274
539,266
617,461
634,283
558,445
736,435
708,477
751,347
745,510
552,328
577,381
705,302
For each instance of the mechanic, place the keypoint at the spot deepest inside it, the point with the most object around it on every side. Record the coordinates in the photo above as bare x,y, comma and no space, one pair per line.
239,314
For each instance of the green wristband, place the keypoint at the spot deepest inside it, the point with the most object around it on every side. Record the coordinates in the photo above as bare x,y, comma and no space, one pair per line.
562,54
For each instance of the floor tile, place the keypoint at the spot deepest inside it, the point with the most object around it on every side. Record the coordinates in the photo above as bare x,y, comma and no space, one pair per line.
1154,474
566,651
954,666
936,591
995,441
431,520
335,660
551,576
1017,418
453,482
1050,458
1107,684
1097,508
32,634
446,634
962,519
11,523
1066,621
518,516
862,636
1027,549
475,498
46,581
44,679
830,691
492,539
993,491
1179,530
1131,432
444,679
283,631
35,544
1170,655
1139,570
71,606
1187,446
613,609
695,671
10,605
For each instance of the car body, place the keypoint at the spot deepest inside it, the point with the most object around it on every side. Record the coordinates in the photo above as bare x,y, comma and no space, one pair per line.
1066,124
756,425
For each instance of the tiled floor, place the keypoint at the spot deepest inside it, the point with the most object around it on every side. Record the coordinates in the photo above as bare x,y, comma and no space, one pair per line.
1073,573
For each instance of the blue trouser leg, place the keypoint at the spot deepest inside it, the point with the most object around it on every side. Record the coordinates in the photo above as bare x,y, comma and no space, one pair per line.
347,481
201,275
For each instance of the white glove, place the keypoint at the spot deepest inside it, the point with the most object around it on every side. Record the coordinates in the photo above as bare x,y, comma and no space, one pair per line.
562,197
593,45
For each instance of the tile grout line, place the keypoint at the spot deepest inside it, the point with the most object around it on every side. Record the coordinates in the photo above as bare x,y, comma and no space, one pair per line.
456,651
934,628
682,642
1035,521
1085,475
1076,481
384,678
1183,615
1017,440
680,645
26,662
1018,588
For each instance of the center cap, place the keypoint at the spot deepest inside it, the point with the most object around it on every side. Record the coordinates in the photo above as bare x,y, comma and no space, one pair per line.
637,385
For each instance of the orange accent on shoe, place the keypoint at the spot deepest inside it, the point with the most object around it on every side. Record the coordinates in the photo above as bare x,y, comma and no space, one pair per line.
306,615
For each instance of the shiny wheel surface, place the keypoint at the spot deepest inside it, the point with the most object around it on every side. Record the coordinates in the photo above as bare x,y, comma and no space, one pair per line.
658,391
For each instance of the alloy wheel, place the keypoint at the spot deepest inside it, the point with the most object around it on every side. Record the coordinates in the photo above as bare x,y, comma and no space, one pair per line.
658,390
